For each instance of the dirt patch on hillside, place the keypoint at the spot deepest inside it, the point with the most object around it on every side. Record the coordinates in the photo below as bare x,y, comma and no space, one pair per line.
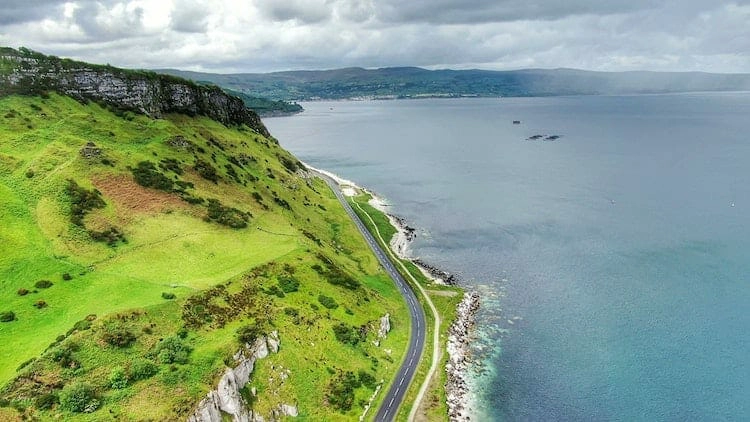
131,197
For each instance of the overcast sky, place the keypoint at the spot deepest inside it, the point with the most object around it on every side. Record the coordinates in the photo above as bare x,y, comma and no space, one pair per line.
268,35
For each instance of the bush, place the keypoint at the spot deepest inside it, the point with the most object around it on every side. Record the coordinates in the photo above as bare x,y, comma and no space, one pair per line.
288,284
248,334
341,391
67,277
366,379
141,369
22,292
173,350
170,164
43,284
347,334
328,302
82,201
40,304
29,173
63,355
118,337
46,401
148,176
7,316
292,312
78,398
274,291
82,325
117,379
168,296
227,216
206,170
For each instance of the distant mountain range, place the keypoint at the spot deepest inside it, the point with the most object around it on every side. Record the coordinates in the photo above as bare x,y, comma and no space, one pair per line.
409,82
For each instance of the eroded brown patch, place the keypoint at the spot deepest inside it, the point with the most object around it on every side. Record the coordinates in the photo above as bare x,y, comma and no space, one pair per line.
131,197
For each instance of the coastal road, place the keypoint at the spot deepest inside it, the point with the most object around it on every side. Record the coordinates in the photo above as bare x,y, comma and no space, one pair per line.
395,395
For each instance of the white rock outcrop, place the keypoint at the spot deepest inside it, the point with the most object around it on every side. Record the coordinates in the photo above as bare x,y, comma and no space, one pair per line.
227,399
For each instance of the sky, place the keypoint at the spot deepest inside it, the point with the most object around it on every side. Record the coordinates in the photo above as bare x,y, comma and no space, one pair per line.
270,35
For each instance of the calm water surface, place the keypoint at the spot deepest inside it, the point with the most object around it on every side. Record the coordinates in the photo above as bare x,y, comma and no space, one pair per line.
613,262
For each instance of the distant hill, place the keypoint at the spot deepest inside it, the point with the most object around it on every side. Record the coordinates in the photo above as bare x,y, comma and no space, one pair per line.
409,82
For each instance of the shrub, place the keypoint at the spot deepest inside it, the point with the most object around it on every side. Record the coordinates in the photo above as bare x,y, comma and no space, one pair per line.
22,292
40,304
78,398
206,170
117,379
43,284
227,216
63,355
366,379
82,325
341,391
274,291
46,401
118,337
7,316
29,173
146,175
292,312
248,333
168,296
173,350
82,201
348,334
170,164
67,277
291,165
288,284
328,302
111,236
141,369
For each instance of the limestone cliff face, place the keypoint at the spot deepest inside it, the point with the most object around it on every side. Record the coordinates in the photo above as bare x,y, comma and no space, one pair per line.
26,72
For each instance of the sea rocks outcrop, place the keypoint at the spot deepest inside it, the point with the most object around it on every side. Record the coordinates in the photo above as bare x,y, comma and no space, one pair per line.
140,91
459,338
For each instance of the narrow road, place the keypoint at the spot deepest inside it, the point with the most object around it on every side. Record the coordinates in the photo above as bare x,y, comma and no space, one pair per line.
395,395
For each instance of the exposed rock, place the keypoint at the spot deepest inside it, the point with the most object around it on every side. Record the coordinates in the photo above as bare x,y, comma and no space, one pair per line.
227,397
273,341
180,142
459,337
289,410
385,326
140,91
90,150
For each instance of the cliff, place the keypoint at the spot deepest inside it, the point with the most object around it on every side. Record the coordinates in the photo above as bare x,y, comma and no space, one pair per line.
26,72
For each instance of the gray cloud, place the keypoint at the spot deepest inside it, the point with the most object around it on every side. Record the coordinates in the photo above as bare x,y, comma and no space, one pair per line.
267,35
20,11
305,11
190,16
480,11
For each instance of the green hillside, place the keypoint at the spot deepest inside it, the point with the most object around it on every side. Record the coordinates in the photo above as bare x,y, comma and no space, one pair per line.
135,249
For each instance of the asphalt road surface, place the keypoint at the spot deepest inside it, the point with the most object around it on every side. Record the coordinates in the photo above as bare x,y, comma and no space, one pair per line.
395,395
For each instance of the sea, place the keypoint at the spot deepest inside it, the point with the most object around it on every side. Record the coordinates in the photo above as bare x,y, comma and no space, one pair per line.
613,262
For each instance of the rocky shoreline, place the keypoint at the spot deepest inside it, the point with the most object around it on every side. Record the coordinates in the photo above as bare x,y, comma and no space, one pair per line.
460,332
459,358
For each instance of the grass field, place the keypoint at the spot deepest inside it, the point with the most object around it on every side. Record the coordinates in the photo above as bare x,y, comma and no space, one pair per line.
79,328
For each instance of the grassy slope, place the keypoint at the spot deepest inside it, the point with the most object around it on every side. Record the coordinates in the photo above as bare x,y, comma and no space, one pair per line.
433,406
171,248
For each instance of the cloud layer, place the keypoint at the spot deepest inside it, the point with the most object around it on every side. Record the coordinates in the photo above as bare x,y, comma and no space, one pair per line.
268,35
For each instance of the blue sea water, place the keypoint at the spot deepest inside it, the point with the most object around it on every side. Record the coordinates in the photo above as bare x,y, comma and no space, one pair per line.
614,263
